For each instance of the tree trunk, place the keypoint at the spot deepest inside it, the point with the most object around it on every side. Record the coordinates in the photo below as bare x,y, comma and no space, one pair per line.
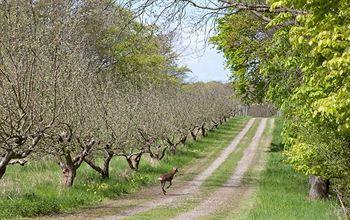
130,163
172,146
69,173
2,171
183,140
215,125
194,137
173,149
104,170
203,130
319,188
106,163
134,161
4,161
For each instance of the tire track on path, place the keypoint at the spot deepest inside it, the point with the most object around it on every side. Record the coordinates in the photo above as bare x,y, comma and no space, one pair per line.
227,191
193,186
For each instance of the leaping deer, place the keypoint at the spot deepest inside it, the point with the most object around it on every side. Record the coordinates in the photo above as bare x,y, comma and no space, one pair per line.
167,177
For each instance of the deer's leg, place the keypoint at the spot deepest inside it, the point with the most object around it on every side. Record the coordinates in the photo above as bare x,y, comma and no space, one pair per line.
169,184
163,184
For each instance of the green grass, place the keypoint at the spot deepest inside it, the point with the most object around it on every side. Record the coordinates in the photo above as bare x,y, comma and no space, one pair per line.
217,179
35,189
282,193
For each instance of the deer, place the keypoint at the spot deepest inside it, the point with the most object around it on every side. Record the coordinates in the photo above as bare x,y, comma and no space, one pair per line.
167,177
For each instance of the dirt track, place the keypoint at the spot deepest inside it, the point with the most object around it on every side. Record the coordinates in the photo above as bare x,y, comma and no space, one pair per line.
151,198
229,190
193,186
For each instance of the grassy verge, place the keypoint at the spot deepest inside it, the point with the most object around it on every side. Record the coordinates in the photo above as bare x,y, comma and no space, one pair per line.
35,189
224,171
282,193
217,179
239,205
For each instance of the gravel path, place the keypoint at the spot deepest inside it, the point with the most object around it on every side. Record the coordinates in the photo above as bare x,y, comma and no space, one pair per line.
193,186
229,190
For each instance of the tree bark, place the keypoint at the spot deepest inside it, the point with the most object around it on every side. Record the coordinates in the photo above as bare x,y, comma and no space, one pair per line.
319,188
134,161
2,171
5,160
194,136
183,140
104,170
69,173
203,130
173,149
70,165
215,125
162,154
130,163
172,145
106,163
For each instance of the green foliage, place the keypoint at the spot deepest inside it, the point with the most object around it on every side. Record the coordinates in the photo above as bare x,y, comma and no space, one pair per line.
282,191
305,70
242,41
276,143
317,109
136,54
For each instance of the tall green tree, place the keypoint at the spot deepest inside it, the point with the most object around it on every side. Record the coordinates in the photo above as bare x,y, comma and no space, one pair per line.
303,63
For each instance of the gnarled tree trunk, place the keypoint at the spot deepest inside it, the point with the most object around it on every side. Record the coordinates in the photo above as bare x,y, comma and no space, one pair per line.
104,169
172,146
319,188
4,161
193,134
194,137
6,158
2,171
134,160
215,126
69,164
183,140
69,173
203,130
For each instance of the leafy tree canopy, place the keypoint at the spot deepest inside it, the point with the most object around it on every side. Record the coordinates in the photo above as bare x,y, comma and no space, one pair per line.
299,59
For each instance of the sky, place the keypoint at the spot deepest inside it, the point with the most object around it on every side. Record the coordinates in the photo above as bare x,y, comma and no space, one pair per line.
206,65
205,62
